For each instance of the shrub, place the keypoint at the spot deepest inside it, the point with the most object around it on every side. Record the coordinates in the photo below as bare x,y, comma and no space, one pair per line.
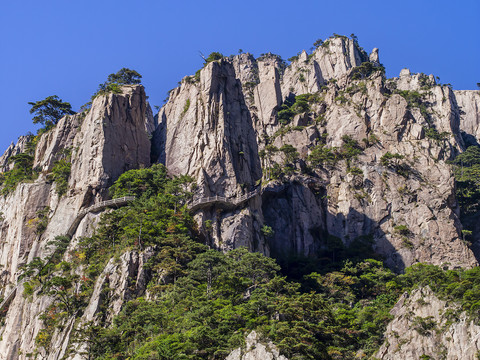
60,174
318,43
267,231
350,148
186,107
115,80
355,171
433,134
467,173
214,56
364,70
290,153
390,160
22,171
402,230
322,155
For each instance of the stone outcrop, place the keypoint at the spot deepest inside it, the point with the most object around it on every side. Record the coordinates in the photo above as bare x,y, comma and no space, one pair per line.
256,349
423,324
468,102
12,150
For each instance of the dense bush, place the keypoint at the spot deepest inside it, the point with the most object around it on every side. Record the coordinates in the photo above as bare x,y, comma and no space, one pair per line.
115,80
467,175
300,104
60,174
22,168
366,69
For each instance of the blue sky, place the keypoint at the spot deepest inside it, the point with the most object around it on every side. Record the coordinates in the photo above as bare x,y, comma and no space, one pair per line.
68,47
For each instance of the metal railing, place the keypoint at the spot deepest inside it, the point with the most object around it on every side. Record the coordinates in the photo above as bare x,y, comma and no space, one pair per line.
233,202
8,299
96,207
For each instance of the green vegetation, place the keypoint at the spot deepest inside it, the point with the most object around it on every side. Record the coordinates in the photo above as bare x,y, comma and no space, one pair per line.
49,111
61,172
22,168
322,155
371,140
124,77
355,171
214,56
365,70
221,297
290,153
402,230
467,176
299,105
203,302
415,100
115,80
186,107
267,231
433,134
318,43
393,161
40,221
350,148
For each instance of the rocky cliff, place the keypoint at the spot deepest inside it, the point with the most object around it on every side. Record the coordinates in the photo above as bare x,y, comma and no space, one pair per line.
424,325
236,108
324,150
104,142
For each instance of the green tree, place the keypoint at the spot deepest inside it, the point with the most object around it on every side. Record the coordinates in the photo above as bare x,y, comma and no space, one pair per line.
60,174
323,155
125,77
291,154
49,111
114,81
213,57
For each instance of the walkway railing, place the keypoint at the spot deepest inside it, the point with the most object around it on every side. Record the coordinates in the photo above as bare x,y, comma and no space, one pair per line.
8,299
231,202
97,207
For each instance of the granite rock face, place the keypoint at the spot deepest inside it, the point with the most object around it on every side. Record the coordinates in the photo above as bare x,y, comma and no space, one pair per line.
421,326
105,142
216,128
256,350
468,102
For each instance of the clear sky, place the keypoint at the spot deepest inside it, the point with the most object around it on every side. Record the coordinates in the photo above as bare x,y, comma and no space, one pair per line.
67,48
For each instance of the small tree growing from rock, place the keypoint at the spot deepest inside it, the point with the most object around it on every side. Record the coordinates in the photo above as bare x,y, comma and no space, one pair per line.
49,111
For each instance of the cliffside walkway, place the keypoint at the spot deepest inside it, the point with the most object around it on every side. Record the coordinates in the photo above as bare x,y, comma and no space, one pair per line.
97,207
230,202
8,300
193,206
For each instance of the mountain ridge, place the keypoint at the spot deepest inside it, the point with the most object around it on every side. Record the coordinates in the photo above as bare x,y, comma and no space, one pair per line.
360,160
